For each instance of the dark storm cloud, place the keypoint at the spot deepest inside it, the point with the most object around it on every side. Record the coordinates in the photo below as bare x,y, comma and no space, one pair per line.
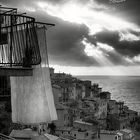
64,44
30,2
123,47
15,3
128,9
64,40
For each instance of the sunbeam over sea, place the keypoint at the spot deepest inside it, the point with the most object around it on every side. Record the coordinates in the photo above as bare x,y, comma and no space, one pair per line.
122,88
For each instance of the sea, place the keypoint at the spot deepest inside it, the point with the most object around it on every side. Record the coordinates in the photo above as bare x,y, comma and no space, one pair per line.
122,88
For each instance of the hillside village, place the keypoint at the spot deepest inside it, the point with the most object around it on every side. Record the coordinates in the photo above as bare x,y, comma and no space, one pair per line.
85,111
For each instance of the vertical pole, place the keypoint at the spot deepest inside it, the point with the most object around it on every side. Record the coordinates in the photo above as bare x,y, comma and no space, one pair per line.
11,37
0,29
0,23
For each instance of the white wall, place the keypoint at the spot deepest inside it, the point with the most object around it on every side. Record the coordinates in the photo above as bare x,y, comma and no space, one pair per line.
108,137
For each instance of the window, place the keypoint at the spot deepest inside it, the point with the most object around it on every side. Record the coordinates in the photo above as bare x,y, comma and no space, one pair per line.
86,134
93,136
119,138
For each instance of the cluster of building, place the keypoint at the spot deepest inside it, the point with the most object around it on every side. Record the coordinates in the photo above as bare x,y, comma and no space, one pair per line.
86,112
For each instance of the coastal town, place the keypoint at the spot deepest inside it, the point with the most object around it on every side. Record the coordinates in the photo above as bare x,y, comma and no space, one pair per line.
84,112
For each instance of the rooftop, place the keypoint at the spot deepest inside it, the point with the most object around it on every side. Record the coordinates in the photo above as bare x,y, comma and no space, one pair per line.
81,122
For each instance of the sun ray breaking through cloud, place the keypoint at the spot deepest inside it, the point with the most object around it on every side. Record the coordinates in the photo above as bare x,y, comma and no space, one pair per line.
96,52
101,53
88,32
95,20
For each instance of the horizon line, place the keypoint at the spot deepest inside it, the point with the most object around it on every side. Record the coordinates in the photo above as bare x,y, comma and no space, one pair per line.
110,75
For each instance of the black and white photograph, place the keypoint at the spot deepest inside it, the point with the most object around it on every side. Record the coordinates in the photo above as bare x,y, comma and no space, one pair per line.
69,69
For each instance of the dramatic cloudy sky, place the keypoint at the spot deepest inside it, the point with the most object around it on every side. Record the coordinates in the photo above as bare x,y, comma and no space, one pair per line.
100,37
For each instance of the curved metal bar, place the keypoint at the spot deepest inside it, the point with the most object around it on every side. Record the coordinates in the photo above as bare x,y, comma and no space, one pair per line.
19,16
43,23
18,35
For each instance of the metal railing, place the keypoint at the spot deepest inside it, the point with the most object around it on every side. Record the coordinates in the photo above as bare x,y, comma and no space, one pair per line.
18,39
